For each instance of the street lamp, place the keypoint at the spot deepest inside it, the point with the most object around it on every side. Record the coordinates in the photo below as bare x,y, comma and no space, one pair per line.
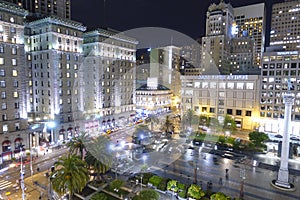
22,173
243,177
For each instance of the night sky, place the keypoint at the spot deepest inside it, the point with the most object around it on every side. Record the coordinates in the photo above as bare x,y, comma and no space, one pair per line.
185,16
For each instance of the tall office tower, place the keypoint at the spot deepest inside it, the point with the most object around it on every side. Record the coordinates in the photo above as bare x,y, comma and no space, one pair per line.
285,25
277,69
190,59
165,65
13,79
241,59
251,22
108,72
216,43
54,51
59,8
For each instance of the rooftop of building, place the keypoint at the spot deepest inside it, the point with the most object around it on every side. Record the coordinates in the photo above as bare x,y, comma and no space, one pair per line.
12,8
145,87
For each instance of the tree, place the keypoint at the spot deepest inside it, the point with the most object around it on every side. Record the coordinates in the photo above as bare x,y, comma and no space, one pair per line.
71,175
257,138
190,118
99,155
147,194
229,123
168,126
152,119
99,196
195,192
219,196
77,144
116,184
204,120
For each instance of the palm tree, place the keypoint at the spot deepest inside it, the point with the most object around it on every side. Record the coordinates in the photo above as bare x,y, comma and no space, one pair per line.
99,155
71,175
152,119
77,144
168,125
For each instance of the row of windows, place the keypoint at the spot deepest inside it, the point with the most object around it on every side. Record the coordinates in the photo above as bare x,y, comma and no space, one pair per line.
5,118
4,106
13,61
213,85
281,65
3,84
237,112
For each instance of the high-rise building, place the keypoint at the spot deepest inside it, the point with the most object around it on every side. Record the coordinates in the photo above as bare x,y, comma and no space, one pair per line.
108,78
250,21
241,59
54,53
59,8
216,43
218,95
285,25
13,82
278,68
165,66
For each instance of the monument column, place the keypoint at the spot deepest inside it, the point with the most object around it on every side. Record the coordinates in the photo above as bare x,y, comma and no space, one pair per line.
283,173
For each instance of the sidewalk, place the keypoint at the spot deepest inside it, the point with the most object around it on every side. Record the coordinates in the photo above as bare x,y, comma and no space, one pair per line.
36,186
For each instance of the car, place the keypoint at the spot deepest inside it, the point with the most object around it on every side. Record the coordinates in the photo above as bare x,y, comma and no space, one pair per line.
108,132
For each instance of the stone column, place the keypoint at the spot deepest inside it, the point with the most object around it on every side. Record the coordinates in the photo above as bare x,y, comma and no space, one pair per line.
283,174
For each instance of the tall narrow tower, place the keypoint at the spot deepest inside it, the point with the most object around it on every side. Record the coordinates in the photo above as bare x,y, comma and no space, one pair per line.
283,173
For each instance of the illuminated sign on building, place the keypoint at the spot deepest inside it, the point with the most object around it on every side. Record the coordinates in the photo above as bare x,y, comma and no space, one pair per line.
224,77
287,53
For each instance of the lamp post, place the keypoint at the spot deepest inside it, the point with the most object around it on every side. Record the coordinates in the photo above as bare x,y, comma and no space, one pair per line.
172,188
243,177
22,173
141,182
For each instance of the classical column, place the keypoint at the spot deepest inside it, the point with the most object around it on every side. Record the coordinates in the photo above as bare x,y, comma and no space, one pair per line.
283,174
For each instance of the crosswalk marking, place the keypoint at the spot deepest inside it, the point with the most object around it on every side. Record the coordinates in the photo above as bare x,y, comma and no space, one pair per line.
4,184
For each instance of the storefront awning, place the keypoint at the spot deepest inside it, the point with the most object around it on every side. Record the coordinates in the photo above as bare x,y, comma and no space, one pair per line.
62,130
18,140
6,143
70,129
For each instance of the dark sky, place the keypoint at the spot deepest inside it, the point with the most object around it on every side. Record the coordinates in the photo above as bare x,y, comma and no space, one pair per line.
185,16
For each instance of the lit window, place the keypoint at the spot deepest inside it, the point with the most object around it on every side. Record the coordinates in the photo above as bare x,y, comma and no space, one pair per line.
75,66
1,61
5,128
75,75
16,94
240,86
12,20
68,66
249,86
68,75
1,28
58,30
14,62
14,72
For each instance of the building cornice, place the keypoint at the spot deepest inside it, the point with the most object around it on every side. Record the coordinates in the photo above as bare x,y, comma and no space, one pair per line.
59,21
12,8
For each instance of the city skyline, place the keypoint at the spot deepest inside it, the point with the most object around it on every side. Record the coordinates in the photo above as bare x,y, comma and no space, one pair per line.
191,14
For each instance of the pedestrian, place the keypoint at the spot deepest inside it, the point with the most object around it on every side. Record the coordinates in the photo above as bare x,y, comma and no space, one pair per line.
221,181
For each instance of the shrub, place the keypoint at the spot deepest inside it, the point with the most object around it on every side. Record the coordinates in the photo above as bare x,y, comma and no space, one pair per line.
155,180
172,185
181,186
163,185
116,184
